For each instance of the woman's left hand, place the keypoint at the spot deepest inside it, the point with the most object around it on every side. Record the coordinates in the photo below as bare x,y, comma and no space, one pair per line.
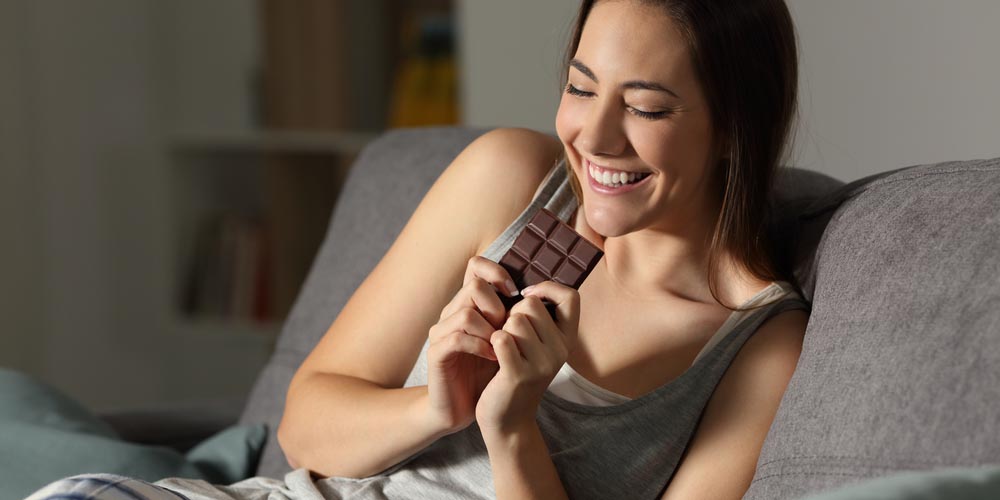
531,348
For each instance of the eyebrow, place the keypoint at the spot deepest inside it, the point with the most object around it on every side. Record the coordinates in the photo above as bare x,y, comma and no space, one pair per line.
631,84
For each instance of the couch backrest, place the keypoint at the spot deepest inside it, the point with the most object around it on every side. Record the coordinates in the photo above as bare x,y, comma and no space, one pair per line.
900,369
384,186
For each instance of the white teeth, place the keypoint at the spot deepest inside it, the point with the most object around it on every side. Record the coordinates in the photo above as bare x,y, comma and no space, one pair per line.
616,179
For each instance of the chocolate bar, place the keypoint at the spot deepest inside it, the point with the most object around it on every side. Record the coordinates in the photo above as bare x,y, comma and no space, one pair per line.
548,249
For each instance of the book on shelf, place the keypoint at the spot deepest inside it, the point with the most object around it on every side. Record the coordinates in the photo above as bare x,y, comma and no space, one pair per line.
425,87
228,276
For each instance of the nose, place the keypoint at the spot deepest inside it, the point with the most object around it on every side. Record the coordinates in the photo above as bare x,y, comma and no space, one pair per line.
603,133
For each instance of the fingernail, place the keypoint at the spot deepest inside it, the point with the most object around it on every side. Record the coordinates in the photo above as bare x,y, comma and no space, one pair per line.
511,288
527,290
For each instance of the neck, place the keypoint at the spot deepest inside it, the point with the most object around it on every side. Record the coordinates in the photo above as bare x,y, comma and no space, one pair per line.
649,265
670,262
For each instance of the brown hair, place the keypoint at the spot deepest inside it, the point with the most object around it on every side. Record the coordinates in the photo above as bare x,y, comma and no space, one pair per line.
745,58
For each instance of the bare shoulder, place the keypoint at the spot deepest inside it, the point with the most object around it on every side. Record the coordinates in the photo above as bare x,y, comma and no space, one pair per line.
507,165
722,456
487,181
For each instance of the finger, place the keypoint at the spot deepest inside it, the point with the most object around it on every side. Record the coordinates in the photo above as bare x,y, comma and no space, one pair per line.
491,272
566,300
485,299
481,296
461,342
520,327
508,355
548,331
467,320
473,323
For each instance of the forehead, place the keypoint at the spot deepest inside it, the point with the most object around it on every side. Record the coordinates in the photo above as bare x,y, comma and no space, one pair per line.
628,39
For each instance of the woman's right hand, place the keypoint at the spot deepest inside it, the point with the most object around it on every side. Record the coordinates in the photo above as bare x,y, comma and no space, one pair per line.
460,358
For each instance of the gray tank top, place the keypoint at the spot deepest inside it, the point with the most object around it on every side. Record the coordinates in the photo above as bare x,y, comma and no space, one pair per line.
627,450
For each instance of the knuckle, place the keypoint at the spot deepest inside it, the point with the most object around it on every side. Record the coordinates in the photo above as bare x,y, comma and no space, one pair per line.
454,341
499,337
516,320
467,315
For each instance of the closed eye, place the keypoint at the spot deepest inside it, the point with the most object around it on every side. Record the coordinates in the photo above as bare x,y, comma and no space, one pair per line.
649,115
571,90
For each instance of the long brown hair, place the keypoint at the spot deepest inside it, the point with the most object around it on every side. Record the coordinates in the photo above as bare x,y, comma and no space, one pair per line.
745,58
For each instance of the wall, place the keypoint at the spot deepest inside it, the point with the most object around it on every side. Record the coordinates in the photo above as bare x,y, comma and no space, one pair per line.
20,265
883,84
91,94
510,54
897,82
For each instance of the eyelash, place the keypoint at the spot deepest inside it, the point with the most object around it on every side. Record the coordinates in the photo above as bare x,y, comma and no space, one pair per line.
648,115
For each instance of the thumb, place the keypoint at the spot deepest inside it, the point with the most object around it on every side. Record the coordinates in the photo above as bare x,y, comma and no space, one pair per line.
565,303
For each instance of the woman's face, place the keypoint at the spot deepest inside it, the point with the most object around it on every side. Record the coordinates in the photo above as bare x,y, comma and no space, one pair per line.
632,103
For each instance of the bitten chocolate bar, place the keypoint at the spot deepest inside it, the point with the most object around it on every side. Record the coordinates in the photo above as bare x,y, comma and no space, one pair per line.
548,249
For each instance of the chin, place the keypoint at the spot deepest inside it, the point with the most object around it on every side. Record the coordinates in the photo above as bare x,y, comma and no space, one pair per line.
605,224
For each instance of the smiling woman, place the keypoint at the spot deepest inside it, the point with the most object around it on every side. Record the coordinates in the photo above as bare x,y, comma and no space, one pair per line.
722,145
644,382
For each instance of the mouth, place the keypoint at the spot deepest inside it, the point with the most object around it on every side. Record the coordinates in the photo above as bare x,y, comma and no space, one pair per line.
609,181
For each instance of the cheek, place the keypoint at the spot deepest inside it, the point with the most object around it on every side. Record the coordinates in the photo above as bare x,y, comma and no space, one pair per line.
568,120
654,143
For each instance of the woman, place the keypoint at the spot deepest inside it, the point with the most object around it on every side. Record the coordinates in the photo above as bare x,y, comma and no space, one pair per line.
648,382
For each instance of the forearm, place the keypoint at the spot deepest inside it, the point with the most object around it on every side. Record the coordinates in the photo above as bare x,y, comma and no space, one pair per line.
344,426
522,467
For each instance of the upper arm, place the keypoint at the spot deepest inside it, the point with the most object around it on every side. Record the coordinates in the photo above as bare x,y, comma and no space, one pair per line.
722,456
379,333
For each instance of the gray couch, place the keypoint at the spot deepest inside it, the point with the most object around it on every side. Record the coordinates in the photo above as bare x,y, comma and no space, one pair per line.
901,364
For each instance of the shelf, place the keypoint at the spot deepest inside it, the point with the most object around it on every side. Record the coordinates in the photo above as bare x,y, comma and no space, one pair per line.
295,142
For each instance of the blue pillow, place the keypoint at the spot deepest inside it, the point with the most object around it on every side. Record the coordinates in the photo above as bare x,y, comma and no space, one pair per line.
954,483
45,436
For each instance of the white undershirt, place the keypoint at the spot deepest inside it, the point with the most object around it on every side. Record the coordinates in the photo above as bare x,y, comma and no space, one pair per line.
571,386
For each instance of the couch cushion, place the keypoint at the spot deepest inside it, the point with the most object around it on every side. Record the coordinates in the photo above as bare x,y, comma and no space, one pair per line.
900,368
799,195
45,435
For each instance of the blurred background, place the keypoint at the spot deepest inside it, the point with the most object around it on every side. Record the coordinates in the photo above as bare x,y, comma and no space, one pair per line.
168,168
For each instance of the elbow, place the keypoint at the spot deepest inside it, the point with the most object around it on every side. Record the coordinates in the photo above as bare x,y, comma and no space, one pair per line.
285,440
289,429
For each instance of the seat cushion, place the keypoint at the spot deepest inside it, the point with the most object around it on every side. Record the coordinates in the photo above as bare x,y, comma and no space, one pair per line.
900,368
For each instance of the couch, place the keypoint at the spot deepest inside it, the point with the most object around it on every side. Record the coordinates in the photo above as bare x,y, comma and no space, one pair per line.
900,368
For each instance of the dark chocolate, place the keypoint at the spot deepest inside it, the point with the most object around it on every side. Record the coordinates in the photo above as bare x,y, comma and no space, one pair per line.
548,249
